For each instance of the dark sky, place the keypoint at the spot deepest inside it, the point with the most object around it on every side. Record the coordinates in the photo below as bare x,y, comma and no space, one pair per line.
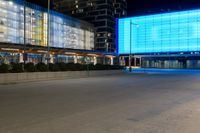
142,7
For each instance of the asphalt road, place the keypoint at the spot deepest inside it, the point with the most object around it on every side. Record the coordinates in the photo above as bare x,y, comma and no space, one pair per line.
129,103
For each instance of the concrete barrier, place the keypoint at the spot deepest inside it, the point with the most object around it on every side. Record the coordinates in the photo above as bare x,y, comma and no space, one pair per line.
8,78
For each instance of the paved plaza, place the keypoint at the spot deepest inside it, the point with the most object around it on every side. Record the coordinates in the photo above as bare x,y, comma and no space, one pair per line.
127,103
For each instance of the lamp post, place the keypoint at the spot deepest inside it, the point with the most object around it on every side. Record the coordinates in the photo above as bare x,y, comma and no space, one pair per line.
130,54
48,35
24,54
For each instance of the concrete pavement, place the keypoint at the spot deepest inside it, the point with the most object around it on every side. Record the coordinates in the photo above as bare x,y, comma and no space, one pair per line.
129,103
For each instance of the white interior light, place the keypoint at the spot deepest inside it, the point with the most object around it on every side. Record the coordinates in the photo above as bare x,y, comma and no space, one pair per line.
10,3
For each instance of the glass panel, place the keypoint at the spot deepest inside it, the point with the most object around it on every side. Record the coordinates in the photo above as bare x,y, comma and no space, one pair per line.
65,32
169,32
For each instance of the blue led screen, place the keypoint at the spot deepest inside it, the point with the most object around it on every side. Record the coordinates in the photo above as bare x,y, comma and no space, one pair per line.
169,32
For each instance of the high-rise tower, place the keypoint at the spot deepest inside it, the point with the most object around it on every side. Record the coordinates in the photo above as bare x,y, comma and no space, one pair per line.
101,13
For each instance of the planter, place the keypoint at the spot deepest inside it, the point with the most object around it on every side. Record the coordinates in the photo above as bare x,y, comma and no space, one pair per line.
6,78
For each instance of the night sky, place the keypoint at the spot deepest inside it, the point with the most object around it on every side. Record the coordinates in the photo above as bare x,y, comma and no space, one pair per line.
142,7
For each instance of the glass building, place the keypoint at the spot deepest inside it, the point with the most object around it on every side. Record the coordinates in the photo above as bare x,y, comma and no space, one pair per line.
168,40
101,13
65,32
17,17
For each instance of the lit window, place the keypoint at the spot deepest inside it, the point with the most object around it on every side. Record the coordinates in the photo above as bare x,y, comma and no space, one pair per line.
80,10
10,3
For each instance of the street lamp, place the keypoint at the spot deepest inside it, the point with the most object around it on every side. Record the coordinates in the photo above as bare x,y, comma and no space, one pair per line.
24,50
48,34
130,54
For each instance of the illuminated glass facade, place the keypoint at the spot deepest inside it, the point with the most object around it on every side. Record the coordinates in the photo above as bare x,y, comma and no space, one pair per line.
101,13
161,33
65,32
11,22
74,37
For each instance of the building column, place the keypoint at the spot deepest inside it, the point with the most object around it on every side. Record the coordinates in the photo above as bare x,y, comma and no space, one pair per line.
44,58
130,61
75,59
140,62
51,58
135,61
112,61
95,60
21,58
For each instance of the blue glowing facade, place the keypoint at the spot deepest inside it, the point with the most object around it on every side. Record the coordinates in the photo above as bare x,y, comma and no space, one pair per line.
168,32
